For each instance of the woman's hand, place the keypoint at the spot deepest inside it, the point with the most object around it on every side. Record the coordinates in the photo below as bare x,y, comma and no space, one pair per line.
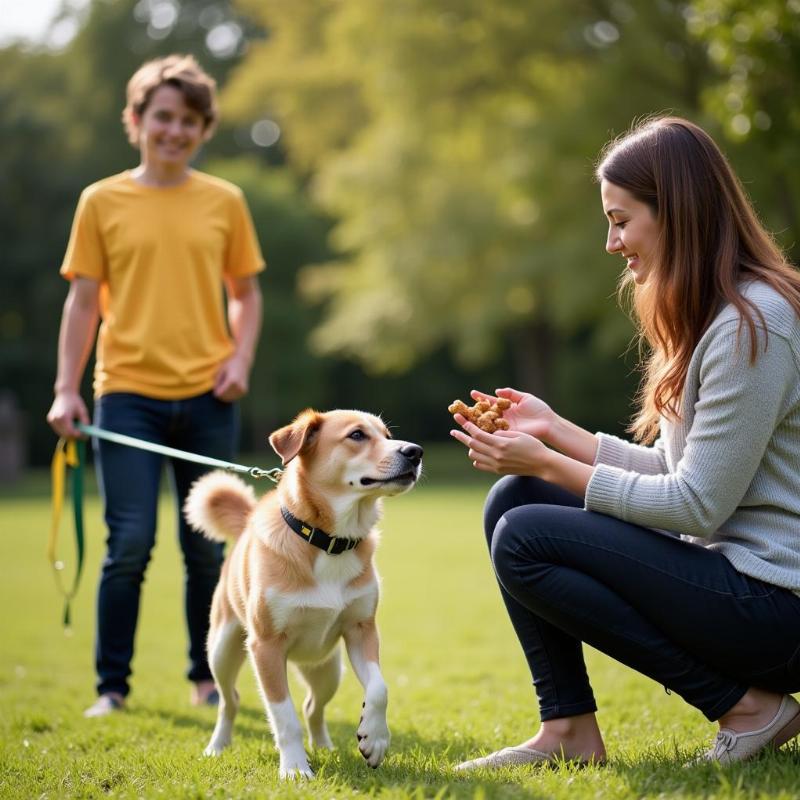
528,414
518,453
509,452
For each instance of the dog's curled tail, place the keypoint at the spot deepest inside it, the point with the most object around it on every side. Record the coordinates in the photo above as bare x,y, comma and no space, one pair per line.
218,505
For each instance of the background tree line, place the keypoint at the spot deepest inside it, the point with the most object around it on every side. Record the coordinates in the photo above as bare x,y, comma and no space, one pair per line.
427,209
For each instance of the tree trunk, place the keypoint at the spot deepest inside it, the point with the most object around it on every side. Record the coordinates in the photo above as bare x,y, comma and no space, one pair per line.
533,356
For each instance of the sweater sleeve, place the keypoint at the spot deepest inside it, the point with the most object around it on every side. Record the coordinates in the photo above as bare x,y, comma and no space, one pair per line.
616,452
738,407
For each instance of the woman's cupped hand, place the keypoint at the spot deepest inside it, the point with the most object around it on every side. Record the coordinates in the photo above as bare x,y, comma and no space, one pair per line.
527,414
510,452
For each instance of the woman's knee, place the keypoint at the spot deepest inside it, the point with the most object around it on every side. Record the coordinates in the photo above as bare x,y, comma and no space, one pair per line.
523,538
505,547
508,493
502,497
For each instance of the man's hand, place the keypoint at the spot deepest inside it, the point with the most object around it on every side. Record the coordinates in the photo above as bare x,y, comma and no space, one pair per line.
232,381
67,407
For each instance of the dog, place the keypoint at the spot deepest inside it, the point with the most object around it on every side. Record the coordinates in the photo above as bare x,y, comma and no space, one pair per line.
300,576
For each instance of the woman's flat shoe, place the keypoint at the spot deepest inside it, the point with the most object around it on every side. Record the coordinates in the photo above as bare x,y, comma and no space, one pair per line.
730,746
517,756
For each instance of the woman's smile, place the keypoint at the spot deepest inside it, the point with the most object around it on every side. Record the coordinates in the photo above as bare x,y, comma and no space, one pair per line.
632,229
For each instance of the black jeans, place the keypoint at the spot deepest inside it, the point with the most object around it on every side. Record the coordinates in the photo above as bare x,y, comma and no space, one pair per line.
129,483
677,612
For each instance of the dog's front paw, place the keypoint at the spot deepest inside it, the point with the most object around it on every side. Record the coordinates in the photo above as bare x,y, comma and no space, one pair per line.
215,748
373,737
296,773
220,738
294,767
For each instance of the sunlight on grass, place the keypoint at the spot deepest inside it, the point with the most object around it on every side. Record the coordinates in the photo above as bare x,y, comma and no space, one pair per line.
458,683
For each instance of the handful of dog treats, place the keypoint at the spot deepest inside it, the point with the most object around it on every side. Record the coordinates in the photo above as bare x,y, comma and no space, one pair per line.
486,414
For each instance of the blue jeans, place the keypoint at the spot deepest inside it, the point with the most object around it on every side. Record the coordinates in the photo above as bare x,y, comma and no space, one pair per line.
677,612
129,484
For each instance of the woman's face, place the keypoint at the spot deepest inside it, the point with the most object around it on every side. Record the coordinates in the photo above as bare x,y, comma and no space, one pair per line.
632,229
169,131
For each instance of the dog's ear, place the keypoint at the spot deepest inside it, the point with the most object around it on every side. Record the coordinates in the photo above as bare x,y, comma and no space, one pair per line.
288,441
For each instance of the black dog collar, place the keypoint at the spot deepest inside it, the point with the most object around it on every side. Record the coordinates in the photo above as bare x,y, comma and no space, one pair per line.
332,545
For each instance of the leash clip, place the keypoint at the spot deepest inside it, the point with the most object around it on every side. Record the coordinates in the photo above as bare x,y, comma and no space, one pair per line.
273,474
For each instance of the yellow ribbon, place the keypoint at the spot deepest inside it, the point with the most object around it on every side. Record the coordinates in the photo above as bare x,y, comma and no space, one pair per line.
66,454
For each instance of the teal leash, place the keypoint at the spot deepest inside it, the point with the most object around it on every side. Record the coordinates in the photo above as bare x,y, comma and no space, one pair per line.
71,453
118,438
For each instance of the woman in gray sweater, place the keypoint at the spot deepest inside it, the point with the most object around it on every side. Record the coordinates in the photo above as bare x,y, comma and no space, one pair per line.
678,555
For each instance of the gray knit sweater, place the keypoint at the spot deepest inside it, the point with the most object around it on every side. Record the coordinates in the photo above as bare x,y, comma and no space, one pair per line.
727,474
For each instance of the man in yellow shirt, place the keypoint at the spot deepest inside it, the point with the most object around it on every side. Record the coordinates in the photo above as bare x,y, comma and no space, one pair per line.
155,252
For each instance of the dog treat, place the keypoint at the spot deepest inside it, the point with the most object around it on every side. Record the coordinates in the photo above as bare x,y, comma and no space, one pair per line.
486,414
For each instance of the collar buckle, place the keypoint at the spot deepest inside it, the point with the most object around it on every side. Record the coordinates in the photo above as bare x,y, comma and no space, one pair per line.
333,545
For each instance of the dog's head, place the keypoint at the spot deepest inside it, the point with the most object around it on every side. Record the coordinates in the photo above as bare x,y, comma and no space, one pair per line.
348,452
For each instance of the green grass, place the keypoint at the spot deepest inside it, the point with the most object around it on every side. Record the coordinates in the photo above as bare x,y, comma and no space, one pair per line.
457,681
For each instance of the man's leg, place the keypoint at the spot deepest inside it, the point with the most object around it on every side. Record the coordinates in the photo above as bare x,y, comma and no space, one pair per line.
128,480
209,427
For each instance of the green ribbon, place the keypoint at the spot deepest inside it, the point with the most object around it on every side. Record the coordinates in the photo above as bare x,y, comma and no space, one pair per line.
70,456
68,460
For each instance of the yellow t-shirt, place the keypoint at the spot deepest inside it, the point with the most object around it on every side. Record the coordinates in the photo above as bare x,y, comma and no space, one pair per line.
160,255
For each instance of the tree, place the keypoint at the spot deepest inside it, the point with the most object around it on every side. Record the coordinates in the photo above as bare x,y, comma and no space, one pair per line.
755,48
453,143
61,130
38,188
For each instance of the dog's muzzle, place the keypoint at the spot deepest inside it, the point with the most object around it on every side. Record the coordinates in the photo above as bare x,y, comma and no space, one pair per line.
407,465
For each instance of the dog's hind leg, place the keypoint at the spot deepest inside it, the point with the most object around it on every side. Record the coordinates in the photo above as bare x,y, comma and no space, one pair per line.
322,680
226,654
269,662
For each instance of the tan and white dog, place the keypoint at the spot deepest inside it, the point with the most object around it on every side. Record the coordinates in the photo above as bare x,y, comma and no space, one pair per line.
300,576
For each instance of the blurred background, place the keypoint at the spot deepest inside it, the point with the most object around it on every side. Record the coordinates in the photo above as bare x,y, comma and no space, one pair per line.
419,172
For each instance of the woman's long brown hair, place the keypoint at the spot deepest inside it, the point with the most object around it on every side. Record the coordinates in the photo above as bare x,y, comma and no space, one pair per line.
710,241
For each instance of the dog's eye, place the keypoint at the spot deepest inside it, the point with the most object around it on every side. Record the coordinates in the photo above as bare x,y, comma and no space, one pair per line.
357,435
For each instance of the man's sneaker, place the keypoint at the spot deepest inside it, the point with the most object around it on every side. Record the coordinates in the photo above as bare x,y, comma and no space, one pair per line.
204,693
105,704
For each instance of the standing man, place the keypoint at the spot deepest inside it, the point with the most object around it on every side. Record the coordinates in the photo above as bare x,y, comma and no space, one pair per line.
156,253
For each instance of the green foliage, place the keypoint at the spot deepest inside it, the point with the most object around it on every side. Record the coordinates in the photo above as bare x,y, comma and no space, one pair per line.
457,682
285,377
60,131
755,48
429,216
35,215
460,176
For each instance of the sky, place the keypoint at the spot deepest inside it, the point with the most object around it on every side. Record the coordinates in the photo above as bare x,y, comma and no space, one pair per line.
28,19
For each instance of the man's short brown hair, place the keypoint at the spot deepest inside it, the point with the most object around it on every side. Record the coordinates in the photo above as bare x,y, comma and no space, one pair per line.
199,91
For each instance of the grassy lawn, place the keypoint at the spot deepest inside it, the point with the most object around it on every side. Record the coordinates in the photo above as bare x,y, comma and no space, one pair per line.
457,681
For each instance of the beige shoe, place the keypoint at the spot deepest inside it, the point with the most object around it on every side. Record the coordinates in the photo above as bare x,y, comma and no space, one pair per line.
730,746
518,756
105,704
